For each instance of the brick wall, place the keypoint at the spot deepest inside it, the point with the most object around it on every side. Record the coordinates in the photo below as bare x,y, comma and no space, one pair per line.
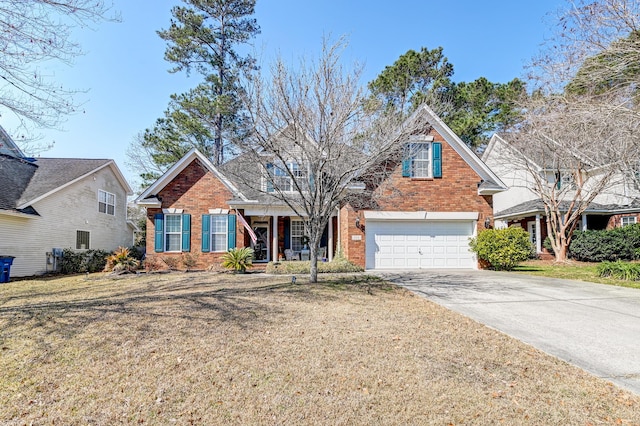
456,191
195,190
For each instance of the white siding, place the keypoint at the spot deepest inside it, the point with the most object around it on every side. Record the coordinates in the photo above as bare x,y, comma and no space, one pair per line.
61,215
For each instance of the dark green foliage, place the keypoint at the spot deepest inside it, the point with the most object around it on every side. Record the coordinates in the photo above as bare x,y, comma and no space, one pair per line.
404,85
473,110
547,244
83,261
598,246
620,270
203,37
503,249
481,108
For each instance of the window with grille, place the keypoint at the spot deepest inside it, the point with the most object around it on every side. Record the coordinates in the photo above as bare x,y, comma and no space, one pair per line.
219,228
106,202
82,240
173,232
297,232
628,220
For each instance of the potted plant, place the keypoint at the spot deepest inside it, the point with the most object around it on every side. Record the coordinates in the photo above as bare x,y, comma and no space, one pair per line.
238,259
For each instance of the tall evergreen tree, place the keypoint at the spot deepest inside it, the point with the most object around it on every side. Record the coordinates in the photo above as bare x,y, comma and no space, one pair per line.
203,37
473,110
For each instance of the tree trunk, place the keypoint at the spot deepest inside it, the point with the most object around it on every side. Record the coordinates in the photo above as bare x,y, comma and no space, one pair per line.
313,260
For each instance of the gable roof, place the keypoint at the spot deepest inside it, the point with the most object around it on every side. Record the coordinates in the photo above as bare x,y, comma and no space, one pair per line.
26,182
498,141
8,146
491,183
148,197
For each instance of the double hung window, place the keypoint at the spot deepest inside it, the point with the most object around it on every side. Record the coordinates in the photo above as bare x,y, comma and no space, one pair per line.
106,202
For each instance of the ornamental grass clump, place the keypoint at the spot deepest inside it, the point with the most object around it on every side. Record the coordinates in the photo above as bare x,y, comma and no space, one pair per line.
238,259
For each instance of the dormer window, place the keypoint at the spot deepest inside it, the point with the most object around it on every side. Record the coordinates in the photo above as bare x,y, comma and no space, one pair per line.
422,158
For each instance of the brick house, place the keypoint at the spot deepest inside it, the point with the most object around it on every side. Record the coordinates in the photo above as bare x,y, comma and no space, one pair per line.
423,215
617,205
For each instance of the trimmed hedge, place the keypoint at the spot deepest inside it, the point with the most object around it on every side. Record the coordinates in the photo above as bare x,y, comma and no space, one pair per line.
606,245
303,267
73,262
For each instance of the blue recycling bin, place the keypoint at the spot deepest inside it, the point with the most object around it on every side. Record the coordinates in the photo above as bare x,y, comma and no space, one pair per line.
5,268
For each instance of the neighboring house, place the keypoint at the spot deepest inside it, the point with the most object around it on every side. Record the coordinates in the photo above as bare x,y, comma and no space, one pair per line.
617,205
48,203
422,216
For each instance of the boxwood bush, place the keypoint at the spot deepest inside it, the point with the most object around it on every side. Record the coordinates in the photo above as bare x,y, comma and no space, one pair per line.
504,248
606,245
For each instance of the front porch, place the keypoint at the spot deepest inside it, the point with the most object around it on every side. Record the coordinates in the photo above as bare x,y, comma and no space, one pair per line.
282,237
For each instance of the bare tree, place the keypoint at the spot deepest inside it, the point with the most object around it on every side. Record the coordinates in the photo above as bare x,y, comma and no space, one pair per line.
574,154
581,125
315,139
32,33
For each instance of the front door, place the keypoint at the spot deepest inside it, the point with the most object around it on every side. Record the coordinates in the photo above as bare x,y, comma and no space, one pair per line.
261,246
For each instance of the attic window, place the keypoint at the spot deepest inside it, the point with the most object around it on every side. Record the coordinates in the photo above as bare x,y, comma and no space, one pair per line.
106,202
422,160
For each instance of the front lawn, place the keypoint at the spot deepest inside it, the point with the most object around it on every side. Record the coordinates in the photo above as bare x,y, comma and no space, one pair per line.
205,348
572,270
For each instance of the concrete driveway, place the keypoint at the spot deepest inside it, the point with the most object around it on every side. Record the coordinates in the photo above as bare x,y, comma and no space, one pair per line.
593,326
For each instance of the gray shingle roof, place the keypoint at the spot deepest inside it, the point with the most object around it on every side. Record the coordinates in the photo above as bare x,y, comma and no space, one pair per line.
21,181
53,173
537,206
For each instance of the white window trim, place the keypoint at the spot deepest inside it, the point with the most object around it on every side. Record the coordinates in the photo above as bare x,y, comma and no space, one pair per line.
285,176
166,232
292,236
429,160
106,202
212,233
635,220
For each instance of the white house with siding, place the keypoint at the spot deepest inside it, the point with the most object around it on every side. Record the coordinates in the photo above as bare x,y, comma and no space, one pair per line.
48,203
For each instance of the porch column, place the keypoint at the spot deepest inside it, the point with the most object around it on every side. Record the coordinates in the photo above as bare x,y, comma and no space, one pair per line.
274,238
330,240
584,222
538,235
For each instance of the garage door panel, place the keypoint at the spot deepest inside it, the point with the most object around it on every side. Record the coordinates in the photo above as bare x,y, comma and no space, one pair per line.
419,244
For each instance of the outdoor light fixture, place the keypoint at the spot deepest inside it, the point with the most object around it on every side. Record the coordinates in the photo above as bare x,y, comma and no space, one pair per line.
358,222
487,222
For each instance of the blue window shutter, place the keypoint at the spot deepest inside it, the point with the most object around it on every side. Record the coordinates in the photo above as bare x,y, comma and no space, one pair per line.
437,159
206,237
270,174
406,168
186,232
159,232
231,228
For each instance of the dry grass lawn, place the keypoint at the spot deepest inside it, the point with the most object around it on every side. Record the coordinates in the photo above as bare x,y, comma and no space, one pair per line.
204,348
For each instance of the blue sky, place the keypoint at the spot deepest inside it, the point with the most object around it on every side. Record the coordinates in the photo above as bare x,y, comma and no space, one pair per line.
128,85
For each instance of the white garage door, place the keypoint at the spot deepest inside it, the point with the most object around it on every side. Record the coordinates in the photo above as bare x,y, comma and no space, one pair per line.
419,244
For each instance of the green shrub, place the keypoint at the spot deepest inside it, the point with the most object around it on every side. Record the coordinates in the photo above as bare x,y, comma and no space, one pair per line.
606,245
337,265
620,270
75,262
238,259
503,249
